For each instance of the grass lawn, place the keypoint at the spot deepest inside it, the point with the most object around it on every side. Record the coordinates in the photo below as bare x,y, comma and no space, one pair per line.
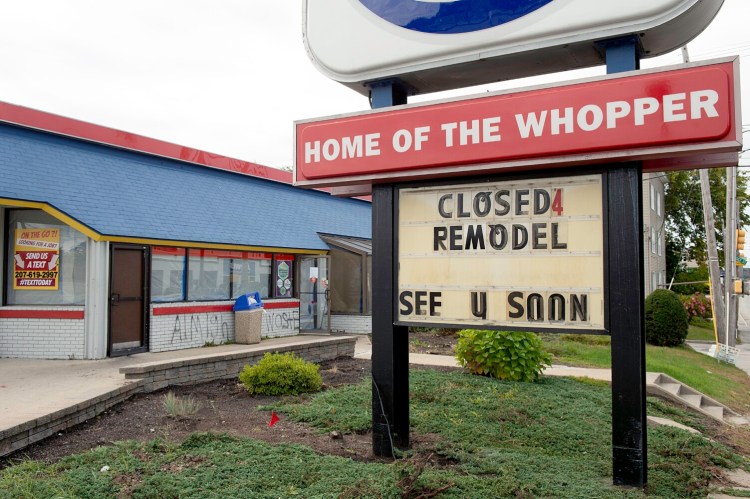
721,381
493,439
701,330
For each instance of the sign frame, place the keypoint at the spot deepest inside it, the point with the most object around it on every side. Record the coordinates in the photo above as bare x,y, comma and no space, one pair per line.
600,170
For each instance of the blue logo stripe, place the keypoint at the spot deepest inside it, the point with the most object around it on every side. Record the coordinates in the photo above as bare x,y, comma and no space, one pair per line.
457,16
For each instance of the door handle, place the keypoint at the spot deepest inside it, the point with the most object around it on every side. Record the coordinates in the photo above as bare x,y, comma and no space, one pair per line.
115,298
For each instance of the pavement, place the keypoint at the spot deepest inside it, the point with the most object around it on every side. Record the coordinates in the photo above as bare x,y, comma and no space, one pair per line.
742,359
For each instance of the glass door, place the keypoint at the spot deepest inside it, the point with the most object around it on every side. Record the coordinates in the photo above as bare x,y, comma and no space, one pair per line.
314,294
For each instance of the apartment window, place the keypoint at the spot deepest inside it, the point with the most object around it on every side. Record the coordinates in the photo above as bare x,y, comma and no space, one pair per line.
651,195
659,244
658,202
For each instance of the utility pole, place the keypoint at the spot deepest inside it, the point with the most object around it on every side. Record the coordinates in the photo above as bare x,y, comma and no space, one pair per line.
713,256
730,253
713,253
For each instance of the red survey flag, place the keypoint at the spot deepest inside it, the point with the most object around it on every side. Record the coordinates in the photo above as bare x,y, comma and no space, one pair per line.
274,419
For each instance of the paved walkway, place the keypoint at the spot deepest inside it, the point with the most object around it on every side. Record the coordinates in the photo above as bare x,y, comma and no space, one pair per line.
363,350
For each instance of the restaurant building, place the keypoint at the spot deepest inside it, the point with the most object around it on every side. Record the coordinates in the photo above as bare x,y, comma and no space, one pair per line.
114,243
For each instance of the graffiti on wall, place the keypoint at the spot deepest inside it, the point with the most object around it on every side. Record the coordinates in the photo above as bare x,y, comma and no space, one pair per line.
282,320
202,328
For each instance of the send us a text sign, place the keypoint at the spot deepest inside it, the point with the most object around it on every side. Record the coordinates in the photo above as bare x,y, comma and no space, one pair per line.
633,117
525,253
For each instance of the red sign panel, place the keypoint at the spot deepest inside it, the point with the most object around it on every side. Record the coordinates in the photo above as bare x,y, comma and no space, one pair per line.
630,117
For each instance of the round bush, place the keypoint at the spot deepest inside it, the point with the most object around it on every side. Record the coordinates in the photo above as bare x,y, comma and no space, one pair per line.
666,319
507,355
281,374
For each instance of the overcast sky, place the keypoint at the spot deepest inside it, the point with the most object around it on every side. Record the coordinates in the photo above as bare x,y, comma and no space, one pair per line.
225,76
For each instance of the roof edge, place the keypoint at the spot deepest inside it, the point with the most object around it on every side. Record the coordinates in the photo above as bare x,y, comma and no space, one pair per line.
69,127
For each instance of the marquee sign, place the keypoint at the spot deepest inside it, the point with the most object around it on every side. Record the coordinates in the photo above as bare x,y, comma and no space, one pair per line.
647,115
523,253
436,45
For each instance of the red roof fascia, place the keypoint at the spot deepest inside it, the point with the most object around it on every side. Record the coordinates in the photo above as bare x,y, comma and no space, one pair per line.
32,118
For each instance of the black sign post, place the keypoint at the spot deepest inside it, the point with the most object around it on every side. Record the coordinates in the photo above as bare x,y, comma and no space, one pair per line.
625,291
390,344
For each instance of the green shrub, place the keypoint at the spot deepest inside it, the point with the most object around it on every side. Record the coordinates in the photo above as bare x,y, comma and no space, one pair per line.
666,319
507,355
281,374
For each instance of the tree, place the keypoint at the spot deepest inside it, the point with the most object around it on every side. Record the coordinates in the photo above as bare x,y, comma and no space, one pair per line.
685,230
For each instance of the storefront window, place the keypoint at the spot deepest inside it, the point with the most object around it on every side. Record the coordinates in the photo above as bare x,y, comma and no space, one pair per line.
250,272
214,274
167,274
346,282
208,275
46,261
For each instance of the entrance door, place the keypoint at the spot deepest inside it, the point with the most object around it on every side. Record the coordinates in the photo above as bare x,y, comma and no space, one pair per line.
314,295
128,300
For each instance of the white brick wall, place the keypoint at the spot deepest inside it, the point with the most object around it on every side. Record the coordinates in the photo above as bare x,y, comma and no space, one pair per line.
42,338
191,330
357,324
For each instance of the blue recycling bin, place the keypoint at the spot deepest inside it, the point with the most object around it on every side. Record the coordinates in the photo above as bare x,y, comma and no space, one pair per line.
250,301
248,318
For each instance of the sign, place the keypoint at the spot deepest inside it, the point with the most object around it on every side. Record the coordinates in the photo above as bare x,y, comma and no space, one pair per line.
656,114
36,259
523,253
283,282
741,260
452,16
434,45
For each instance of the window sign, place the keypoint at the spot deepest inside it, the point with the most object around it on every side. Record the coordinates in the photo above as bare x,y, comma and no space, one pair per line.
36,259
525,253
283,276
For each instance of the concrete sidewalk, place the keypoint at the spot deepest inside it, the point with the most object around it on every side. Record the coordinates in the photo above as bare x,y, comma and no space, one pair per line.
742,360
363,350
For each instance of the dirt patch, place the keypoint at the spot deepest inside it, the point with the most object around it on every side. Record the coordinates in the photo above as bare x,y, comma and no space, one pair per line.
226,407
433,341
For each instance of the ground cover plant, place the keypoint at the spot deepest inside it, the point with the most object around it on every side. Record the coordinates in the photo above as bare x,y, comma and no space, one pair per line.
473,437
